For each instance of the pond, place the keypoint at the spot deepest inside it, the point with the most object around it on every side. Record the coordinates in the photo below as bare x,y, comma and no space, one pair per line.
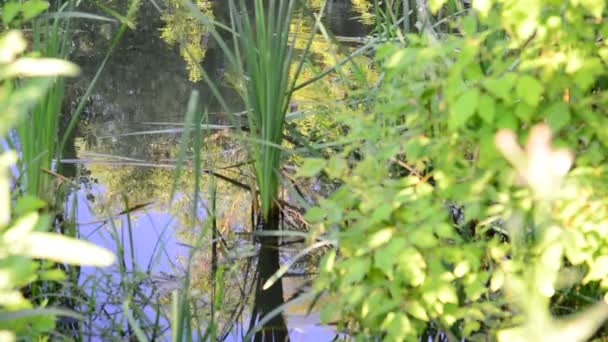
124,155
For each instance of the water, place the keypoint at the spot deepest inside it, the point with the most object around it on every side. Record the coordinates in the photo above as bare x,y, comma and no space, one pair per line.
145,88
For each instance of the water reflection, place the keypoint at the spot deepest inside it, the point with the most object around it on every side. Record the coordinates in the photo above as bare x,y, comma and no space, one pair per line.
144,90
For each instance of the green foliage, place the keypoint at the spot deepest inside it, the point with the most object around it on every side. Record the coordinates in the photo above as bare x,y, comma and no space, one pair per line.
182,28
14,13
23,226
430,144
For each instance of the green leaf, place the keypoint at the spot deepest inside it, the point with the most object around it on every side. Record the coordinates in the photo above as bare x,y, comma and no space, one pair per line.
505,118
447,294
386,257
423,238
529,90
575,247
328,261
463,109
411,265
558,116
501,87
355,270
486,109
598,269
444,230
40,67
33,8
497,280
381,213
396,59
12,44
28,203
585,77
54,275
314,214
470,327
416,310
595,7
380,237
435,5
336,166
524,112
482,7
311,167
10,11
399,328
21,229
328,313
469,25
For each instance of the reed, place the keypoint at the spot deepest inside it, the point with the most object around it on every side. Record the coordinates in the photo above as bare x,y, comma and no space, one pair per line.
37,136
263,42
262,55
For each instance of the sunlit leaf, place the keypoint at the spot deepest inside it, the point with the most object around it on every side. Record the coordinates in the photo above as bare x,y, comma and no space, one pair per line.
311,167
482,6
501,88
598,269
33,8
11,44
40,67
435,5
529,89
63,249
486,109
21,228
463,108
558,116
10,11
28,203
415,309
381,237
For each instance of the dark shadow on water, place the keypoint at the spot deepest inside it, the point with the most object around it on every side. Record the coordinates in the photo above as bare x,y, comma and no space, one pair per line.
266,301
271,298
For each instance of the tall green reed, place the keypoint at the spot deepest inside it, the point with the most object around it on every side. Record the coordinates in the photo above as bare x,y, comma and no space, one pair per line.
262,55
38,135
268,55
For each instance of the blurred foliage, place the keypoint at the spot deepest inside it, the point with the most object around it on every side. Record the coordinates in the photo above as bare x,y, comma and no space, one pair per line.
15,13
24,220
443,224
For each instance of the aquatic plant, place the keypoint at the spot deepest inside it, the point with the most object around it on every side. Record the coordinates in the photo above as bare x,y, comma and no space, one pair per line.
268,56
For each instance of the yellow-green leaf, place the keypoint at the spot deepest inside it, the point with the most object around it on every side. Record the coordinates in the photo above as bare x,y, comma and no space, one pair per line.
59,248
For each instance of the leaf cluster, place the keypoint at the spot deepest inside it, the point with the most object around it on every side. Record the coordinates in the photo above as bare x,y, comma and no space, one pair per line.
429,148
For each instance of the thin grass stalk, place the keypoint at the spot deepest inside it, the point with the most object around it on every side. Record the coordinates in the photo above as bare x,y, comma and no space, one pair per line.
263,44
182,315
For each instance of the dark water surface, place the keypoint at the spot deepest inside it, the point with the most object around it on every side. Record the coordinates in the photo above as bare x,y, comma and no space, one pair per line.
124,153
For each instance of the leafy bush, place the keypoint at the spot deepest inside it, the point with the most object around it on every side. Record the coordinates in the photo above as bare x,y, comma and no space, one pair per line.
441,222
